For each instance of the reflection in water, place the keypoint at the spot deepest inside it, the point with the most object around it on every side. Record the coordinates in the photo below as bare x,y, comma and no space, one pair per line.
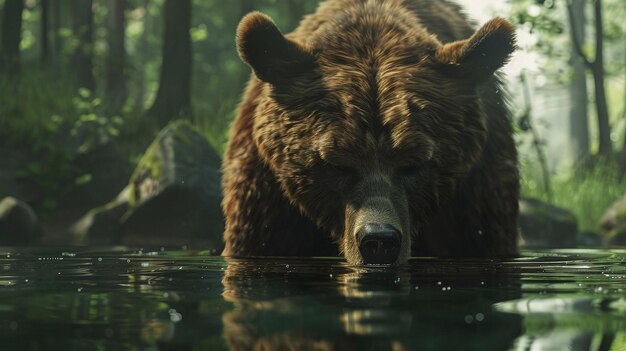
368,309
189,300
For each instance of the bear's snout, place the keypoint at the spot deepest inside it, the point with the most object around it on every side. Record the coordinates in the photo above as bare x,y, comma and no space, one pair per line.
379,243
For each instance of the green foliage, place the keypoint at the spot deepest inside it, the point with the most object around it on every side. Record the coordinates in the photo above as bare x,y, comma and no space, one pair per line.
91,125
42,114
586,193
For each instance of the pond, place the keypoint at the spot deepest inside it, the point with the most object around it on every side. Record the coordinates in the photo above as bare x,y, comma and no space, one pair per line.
119,299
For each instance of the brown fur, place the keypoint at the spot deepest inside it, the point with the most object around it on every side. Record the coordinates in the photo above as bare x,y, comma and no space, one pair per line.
372,111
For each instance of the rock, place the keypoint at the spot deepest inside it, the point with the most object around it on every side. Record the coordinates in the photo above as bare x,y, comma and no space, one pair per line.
613,223
18,223
589,238
101,225
173,198
545,225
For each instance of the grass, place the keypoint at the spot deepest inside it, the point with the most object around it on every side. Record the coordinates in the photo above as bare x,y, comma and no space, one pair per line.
587,194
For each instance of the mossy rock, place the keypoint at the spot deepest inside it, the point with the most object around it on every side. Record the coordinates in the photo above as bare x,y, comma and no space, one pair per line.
613,223
173,196
18,223
545,225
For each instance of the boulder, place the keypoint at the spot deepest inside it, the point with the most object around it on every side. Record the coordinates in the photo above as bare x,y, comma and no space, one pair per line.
173,197
546,226
101,225
18,223
613,223
589,238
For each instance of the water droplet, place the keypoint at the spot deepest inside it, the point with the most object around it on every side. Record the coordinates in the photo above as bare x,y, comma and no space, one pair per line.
480,317
99,259
469,319
287,266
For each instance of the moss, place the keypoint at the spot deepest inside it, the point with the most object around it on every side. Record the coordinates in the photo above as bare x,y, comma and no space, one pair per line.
621,212
150,165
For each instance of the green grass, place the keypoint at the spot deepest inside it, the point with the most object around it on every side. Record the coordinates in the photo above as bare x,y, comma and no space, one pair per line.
587,194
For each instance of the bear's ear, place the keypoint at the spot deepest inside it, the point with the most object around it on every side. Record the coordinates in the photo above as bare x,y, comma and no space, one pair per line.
271,56
478,57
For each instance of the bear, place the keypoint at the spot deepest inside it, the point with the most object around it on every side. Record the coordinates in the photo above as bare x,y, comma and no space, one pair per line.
376,131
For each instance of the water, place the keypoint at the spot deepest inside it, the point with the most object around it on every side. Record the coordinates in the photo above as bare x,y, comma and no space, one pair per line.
115,299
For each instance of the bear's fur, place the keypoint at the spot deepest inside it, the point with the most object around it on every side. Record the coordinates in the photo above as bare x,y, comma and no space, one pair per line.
372,112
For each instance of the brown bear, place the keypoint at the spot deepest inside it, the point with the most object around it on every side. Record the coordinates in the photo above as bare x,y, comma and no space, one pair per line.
376,130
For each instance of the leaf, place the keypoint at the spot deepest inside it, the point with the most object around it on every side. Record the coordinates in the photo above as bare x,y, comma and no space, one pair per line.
83,179
84,92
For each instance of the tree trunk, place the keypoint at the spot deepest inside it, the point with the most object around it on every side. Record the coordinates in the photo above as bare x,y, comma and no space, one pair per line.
604,128
579,125
116,91
11,35
141,58
173,97
57,45
83,30
45,24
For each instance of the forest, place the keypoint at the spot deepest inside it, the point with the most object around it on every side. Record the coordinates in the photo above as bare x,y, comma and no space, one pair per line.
86,86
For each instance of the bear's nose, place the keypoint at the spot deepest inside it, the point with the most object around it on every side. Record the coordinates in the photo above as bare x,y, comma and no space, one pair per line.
379,243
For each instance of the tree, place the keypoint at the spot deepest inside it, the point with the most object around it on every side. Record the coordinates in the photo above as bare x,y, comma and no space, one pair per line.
45,27
141,58
596,67
173,97
83,30
11,35
57,43
116,90
579,125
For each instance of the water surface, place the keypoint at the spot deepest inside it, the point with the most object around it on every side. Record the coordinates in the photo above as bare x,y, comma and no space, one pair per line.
121,299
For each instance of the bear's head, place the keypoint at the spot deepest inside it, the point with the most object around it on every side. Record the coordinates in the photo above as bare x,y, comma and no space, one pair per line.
369,124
